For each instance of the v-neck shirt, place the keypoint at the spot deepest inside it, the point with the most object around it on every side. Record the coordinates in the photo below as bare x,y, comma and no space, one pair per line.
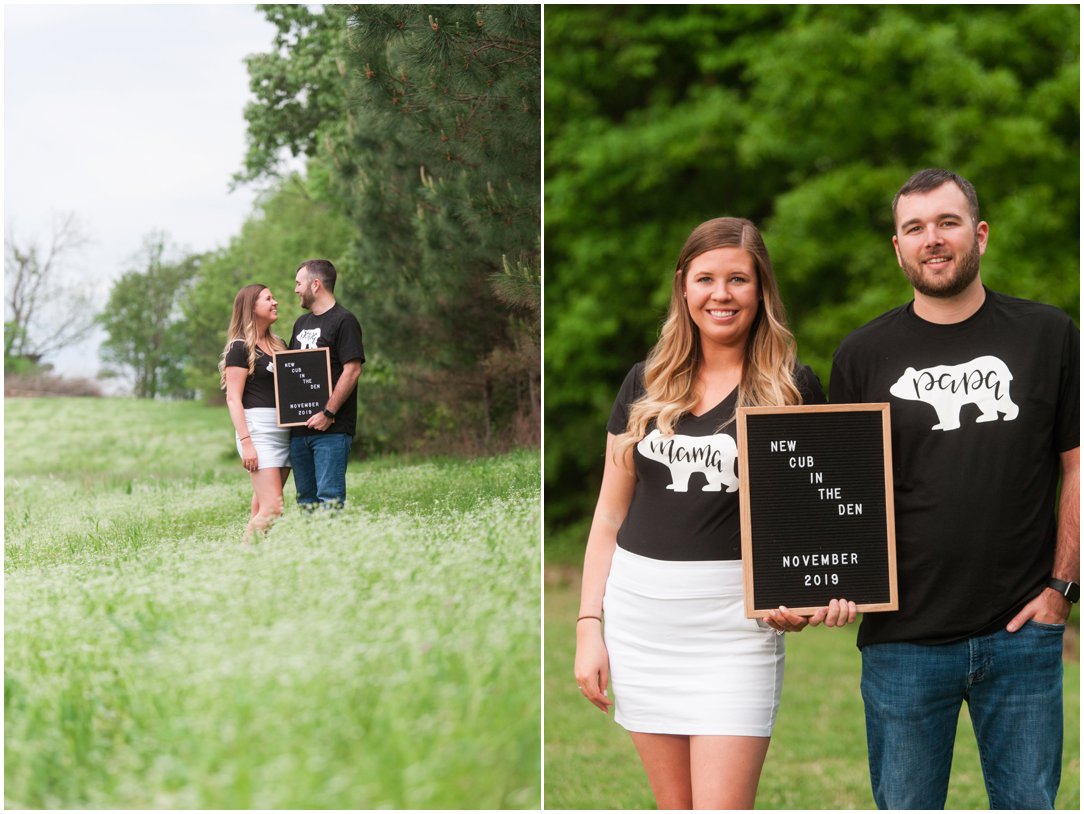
685,503
260,384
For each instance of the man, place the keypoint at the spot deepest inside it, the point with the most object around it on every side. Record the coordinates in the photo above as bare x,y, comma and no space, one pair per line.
984,394
319,450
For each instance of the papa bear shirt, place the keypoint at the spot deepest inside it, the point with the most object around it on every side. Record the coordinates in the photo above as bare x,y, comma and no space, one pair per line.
980,412
685,504
338,330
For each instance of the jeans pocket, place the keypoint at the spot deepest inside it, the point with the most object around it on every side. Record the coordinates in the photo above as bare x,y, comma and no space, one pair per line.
1046,626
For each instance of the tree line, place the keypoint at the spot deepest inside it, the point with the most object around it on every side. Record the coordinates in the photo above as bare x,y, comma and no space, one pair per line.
419,129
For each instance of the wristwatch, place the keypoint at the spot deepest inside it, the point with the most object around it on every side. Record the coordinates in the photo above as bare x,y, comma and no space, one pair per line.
329,414
1070,590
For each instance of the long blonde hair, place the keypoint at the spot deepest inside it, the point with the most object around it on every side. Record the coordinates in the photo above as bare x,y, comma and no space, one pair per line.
243,327
671,370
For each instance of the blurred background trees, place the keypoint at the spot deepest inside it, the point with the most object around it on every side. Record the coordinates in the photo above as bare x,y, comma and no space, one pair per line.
145,338
805,119
45,309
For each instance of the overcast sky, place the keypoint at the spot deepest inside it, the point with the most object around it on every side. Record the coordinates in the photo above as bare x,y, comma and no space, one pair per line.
132,117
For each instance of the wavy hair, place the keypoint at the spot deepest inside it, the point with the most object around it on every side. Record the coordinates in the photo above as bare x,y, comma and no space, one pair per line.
672,366
243,327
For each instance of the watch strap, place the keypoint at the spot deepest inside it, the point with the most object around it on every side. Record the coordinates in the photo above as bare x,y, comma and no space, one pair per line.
1070,590
328,413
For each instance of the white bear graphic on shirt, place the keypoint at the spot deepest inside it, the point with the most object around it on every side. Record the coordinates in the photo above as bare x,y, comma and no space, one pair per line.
714,456
308,338
983,382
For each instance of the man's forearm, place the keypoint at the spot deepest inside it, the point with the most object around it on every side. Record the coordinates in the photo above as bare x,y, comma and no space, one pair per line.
1067,553
347,380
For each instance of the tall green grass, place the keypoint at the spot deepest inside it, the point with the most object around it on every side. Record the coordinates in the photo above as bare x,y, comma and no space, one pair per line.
817,759
383,657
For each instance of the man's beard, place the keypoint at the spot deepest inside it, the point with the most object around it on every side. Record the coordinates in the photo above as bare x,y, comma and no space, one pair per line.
967,269
307,299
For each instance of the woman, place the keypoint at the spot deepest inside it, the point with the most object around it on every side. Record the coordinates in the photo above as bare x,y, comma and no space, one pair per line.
697,684
247,374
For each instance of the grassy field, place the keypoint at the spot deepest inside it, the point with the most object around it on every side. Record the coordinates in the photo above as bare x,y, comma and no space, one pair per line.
817,759
387,657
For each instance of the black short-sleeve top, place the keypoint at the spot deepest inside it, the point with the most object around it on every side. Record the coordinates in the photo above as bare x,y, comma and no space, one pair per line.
260,386
982,411
685,504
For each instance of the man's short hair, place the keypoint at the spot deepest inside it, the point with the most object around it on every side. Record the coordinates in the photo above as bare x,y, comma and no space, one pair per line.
322,270
931,179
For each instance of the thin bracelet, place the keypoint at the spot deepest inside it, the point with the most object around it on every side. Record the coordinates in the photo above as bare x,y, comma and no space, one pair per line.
245,438
588,617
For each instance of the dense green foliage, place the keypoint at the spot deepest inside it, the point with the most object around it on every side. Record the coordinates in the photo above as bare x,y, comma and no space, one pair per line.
806,119
343,662
427,118
817,760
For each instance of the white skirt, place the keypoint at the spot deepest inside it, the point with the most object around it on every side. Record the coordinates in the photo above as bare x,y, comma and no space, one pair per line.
272,441
684,660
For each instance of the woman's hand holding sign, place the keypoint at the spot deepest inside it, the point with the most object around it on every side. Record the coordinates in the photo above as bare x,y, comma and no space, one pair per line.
837,613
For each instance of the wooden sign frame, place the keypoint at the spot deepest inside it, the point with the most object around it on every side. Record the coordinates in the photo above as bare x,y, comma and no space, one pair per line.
313,366
810,527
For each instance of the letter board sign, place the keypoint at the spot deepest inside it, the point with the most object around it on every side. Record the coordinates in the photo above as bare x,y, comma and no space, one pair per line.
302,384
817,519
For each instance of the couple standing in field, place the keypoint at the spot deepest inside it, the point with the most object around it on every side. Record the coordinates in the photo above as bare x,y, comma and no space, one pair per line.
318,452
987,555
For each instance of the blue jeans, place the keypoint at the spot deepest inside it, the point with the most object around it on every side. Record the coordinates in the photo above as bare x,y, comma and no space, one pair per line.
319,463
1012,683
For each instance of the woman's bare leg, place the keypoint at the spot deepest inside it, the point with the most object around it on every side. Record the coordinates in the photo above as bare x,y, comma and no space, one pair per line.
267,497
725,770
666,761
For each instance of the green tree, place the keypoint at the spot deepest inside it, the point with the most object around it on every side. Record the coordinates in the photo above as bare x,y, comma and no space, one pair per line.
142,322
805,119
444,168
518,287
300,88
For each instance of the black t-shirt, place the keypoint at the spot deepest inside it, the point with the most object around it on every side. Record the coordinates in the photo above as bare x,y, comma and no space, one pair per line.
685,504
980,411
339,330
260,386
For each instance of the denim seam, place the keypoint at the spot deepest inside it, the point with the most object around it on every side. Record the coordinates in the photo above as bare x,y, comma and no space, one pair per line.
990,791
